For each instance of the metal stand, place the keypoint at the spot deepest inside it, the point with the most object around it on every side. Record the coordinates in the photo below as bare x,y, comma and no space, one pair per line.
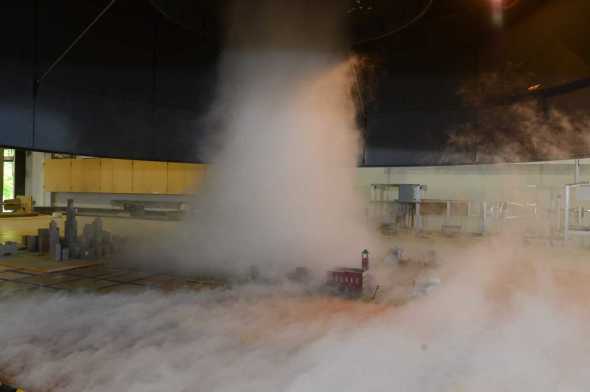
567,230
405,207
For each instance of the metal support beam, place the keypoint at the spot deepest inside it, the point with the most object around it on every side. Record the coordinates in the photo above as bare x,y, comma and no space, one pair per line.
566,213
484,217
418,218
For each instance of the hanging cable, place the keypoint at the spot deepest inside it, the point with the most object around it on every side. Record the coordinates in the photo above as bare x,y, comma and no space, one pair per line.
397,30
76,40
169,17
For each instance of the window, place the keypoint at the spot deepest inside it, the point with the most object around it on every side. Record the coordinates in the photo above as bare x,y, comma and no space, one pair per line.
8,183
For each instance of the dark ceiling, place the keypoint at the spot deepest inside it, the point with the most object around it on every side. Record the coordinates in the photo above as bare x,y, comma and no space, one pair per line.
444,81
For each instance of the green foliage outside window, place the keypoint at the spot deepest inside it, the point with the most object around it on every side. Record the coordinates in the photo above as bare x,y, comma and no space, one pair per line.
8,183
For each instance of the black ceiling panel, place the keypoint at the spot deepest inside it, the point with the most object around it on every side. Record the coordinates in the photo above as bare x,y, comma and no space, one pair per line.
141,83
16,73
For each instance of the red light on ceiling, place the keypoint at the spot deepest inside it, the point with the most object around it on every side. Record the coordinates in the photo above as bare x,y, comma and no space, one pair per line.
507,4
535,87
504,4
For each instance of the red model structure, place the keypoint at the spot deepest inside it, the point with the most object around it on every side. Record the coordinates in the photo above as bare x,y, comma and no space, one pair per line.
350,280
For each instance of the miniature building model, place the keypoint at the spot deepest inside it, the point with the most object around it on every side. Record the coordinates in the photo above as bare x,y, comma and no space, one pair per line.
350,280
94,243
9,248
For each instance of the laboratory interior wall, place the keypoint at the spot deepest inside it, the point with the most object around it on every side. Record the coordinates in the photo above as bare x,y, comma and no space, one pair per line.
479,182
498,182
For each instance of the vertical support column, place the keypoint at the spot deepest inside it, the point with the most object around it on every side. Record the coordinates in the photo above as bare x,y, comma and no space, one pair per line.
447,218
566,214
418,219
484,217
35,180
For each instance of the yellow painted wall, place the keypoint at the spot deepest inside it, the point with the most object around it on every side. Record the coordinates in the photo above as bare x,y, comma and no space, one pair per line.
86,175
122,176
57,175
107,175
149,177
176,181
184,178
194,177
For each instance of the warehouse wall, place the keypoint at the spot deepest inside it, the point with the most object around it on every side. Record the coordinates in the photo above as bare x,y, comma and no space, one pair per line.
539,183
36,185
474,182
104,175
479,182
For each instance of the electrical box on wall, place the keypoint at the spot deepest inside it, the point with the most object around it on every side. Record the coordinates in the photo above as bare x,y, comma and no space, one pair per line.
411,193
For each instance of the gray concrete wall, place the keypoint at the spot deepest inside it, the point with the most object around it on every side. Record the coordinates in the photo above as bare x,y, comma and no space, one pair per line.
479,182
539,184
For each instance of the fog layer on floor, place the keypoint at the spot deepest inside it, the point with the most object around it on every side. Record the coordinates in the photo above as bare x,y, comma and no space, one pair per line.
504,318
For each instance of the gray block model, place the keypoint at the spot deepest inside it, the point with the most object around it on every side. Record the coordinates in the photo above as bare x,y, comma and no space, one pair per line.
65,254
88,237
9,248
95,240
71,228
32,243
89,254
56,254
43,241
75,250
98,232
107,237
53,238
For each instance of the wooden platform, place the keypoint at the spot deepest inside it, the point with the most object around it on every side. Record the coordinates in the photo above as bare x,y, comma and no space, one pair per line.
18,214
41,264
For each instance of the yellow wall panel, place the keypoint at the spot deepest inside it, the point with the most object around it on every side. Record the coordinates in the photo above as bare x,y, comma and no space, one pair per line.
106,176
149,177
184,178
122,176
57,175
195,176
176,180
86,176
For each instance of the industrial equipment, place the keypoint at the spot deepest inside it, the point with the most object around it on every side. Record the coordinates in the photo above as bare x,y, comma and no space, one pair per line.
401,202
410,193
